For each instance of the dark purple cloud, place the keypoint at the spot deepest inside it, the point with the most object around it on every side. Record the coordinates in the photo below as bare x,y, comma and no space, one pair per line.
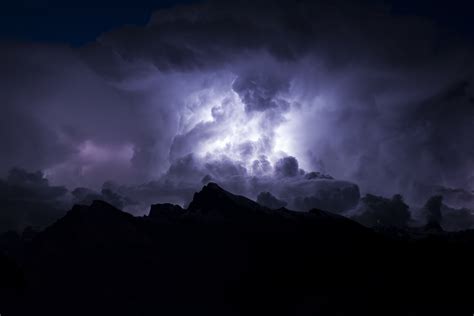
268,200
230,92
27,199
287,167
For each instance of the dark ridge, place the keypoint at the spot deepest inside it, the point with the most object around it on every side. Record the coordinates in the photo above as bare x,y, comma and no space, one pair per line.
165,209
227,255
212,200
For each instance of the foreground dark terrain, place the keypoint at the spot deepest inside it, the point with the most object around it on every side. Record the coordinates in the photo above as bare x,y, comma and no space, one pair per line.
227,255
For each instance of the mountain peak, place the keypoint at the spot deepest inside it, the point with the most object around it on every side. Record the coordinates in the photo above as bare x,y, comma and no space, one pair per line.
212,199
103,206
98,223
213,186
97,210
166,211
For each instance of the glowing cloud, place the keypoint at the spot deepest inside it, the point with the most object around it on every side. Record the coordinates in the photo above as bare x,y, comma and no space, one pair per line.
217,123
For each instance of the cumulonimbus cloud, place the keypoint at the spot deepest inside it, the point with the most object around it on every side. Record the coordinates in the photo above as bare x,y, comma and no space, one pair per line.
226,91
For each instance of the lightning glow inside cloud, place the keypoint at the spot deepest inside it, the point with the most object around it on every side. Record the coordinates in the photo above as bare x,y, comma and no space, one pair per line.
256,104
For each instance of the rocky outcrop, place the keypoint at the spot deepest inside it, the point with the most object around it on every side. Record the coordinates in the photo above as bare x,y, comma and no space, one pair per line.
166,211
269,200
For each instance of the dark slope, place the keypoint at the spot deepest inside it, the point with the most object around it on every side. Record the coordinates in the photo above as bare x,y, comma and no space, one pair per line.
227,255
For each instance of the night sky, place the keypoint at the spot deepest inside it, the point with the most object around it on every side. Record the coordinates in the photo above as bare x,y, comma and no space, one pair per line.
80,22
145,101
73,22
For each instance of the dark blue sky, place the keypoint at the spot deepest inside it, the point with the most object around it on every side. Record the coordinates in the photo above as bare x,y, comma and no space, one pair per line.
73,22
78,22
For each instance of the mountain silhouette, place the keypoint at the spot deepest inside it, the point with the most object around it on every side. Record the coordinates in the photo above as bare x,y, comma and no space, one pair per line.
228,255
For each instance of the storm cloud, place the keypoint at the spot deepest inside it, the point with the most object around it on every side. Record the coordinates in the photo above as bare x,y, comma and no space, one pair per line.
27,199
252,96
